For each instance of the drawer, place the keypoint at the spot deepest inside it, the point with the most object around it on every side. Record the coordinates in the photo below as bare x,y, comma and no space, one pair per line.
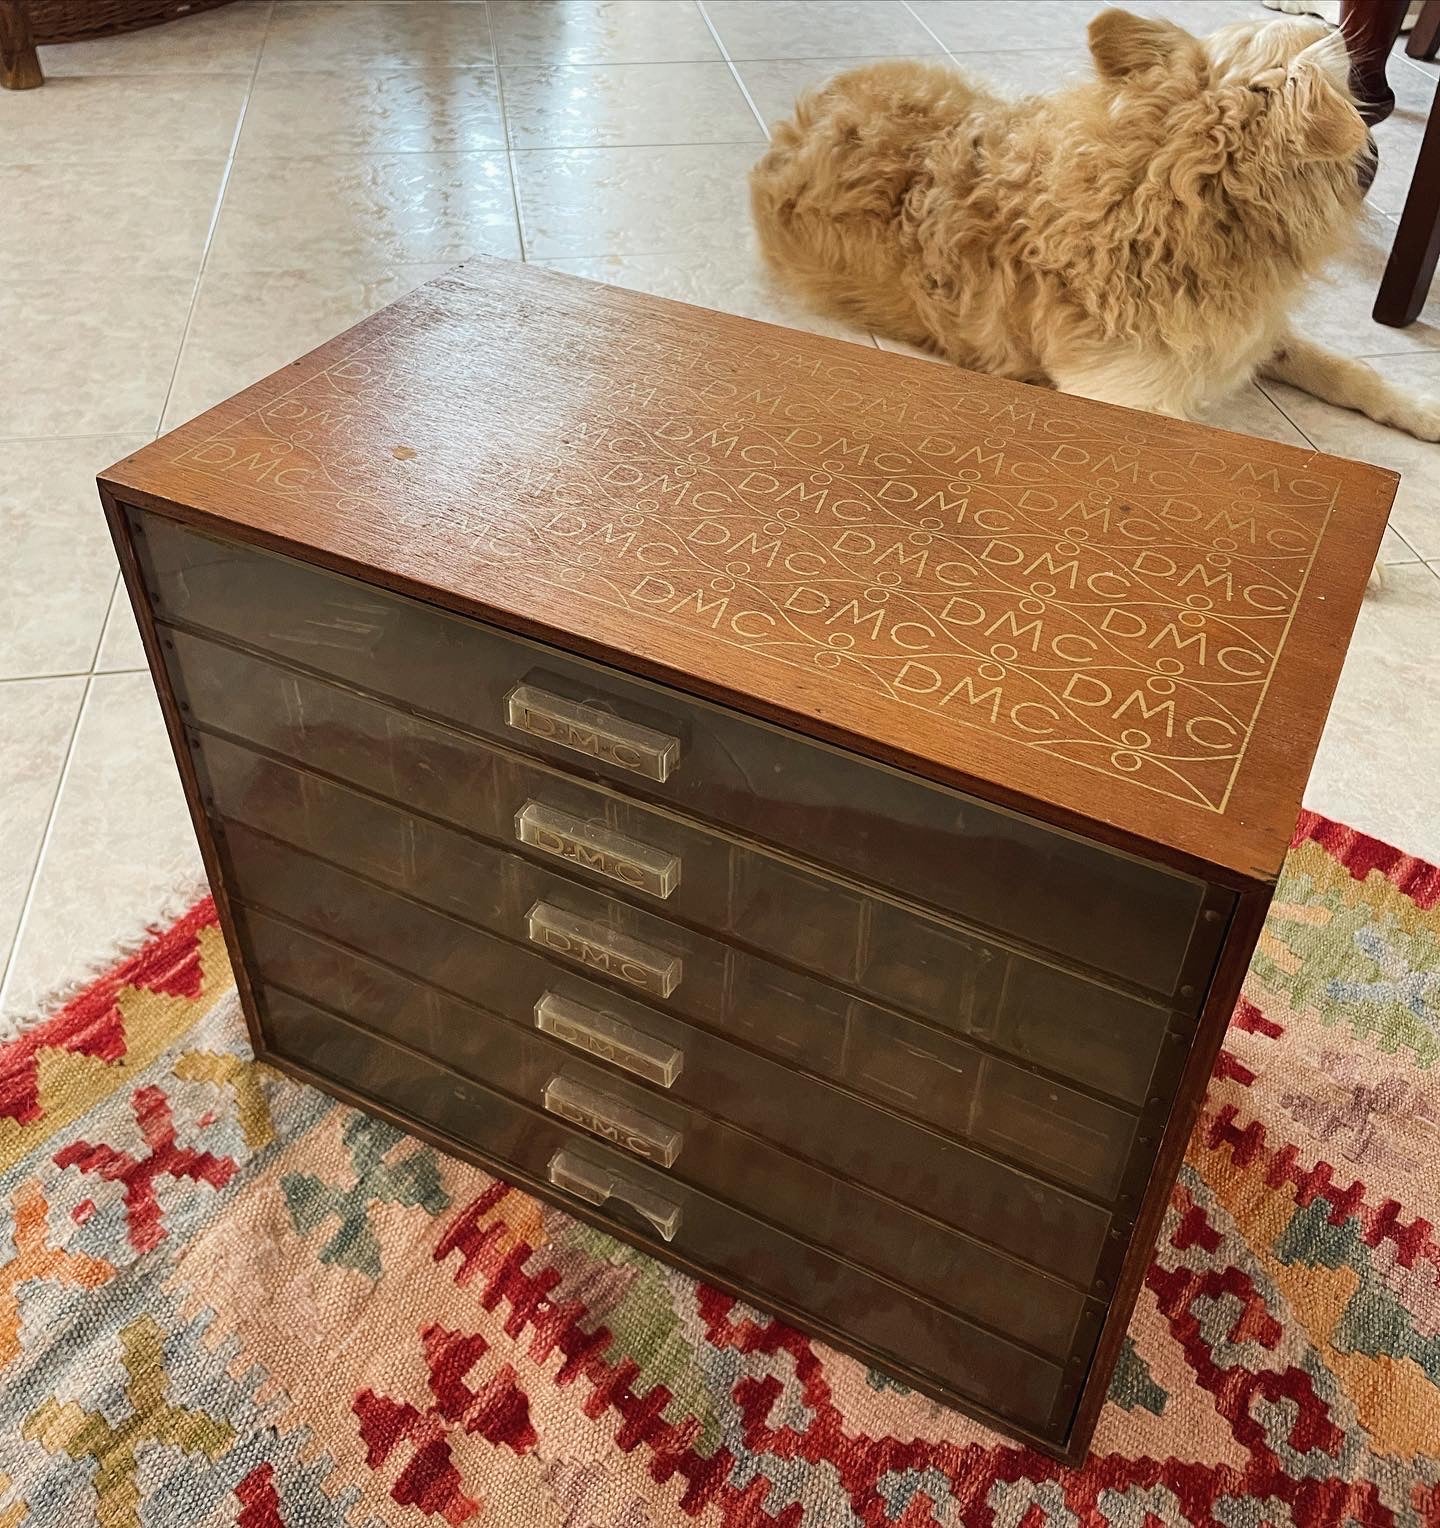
1032,1219
1108,911
670,1129
934,1346
1087,1143
1104,1038
813,1120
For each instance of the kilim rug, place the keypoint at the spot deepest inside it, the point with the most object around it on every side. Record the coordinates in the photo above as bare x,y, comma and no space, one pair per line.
226,1300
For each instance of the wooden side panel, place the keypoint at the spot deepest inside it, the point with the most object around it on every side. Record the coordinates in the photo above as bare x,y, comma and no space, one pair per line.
1243,933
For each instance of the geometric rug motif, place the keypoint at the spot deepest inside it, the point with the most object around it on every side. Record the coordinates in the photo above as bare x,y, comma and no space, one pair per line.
229,1302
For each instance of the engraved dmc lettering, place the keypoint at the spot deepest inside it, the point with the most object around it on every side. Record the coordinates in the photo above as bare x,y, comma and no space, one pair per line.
1069,637
593,955
581,739
1266,597
1086,690
604,861
926,633
1137,699
1220,579
1120,622
1172,636
964,556
607,1129
1198,726
1242,661
1041,729
596,957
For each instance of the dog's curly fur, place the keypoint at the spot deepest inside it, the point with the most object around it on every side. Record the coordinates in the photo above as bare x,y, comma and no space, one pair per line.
1138,238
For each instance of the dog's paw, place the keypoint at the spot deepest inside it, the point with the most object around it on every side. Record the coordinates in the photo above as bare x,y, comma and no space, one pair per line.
1420,417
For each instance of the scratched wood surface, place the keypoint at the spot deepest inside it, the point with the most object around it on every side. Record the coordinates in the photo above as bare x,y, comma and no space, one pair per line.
1123,624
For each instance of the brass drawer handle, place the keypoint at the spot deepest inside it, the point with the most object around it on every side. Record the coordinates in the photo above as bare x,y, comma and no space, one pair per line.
608,1038
612,1120
592,846
595,1185
597,947
589,730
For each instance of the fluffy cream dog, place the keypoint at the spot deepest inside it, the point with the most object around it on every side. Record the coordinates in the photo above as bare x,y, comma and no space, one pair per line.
1138,238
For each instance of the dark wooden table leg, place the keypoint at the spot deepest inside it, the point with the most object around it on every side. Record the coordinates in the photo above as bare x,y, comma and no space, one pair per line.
1425,34
1370,28
1411,266
19,62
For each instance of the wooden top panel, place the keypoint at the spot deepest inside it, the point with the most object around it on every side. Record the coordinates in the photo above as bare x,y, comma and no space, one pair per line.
1123,623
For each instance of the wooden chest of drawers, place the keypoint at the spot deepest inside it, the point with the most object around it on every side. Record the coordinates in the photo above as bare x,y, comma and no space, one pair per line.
807,811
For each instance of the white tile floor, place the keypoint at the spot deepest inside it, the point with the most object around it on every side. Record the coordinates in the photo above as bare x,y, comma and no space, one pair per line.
184,209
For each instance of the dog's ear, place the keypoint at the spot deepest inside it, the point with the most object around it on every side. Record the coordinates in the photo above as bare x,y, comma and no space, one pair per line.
1322,119
1123,44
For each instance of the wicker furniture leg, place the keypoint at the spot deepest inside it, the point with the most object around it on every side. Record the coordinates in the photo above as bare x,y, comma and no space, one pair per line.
19,62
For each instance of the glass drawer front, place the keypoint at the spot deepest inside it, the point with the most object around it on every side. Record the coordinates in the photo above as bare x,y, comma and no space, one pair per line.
1102,909
802,1114
713,984
712,1237
1101,1037
668,1129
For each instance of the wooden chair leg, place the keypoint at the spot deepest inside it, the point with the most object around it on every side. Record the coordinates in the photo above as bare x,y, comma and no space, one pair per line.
1425,34
19,62
1370,28
1411,266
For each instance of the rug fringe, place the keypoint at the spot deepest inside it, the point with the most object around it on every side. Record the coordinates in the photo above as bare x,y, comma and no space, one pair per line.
183,894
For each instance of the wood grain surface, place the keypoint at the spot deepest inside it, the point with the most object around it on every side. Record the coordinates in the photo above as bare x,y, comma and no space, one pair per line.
1126,625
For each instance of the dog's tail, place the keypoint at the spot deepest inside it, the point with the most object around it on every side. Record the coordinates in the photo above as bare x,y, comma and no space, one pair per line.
828,197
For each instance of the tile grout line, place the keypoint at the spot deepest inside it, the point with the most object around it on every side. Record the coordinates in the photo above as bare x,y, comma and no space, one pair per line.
200,274
1418,65
750,100
7,970
150,75
104,626
215,219
65,674
78,435
948,52
194,297
730,64
1280,409
505,129
273,157
606,148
